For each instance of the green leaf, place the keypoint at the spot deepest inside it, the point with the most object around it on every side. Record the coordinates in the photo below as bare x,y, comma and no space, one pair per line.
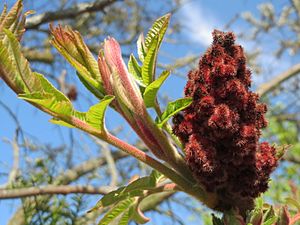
157,30
136,70
125,218
291,201
148,68
152,89
173,108
149,65
271,221
130,193
9,71
61,123
71,45
13,20
255,216
269,214
141,48
117,210
90,86
259,202
49,97
269,217
95,115
134,189
49,102
155,178
15,67
148,49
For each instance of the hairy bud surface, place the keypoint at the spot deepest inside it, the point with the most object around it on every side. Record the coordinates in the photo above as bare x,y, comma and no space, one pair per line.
221,128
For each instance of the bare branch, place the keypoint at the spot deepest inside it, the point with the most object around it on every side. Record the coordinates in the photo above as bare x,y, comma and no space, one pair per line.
51,189
43,56
109,160
66,178
16,160
292,158
35,21
271,85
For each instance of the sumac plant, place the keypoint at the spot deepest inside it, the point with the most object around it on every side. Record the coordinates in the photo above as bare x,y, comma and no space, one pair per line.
212,152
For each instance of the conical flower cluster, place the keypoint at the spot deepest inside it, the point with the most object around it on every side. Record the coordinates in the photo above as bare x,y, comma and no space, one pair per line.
221,128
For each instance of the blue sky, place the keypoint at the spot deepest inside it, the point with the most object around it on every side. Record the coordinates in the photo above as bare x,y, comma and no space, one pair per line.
199,19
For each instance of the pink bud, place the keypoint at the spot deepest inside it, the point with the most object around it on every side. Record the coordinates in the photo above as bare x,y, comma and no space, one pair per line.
122,79
105,75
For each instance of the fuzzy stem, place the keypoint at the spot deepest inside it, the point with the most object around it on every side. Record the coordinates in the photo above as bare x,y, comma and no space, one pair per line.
185,185
295,219
141,156
173,157
132,122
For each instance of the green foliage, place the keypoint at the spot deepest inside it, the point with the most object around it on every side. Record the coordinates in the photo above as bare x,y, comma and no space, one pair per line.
118,209
262,214
134,189
71,45
152,89
172,109
141,47
158,29
13,20
136,70
48,97
11,70
94,117
293,202
148,48
125,200
95,114
35,88
148,68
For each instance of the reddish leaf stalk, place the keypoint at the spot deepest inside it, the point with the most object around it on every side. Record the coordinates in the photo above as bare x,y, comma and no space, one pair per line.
207,198
295,219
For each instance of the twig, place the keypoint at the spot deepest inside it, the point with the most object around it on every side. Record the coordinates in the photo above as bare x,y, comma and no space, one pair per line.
51,189
275,82
66,178
16,159
109,159
35,21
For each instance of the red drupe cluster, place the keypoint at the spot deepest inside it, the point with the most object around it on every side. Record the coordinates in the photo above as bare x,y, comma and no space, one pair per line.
221,128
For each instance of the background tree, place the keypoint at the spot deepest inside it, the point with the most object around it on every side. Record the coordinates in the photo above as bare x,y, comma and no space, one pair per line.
64,163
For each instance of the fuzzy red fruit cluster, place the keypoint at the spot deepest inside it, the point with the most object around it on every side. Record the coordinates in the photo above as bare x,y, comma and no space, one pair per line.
222,126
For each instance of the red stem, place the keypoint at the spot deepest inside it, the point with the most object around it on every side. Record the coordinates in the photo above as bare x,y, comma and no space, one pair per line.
295,219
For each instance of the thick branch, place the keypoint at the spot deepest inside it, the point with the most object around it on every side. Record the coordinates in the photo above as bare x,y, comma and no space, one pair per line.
67,177
35,21
44,56
50,190
292,158
275,82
